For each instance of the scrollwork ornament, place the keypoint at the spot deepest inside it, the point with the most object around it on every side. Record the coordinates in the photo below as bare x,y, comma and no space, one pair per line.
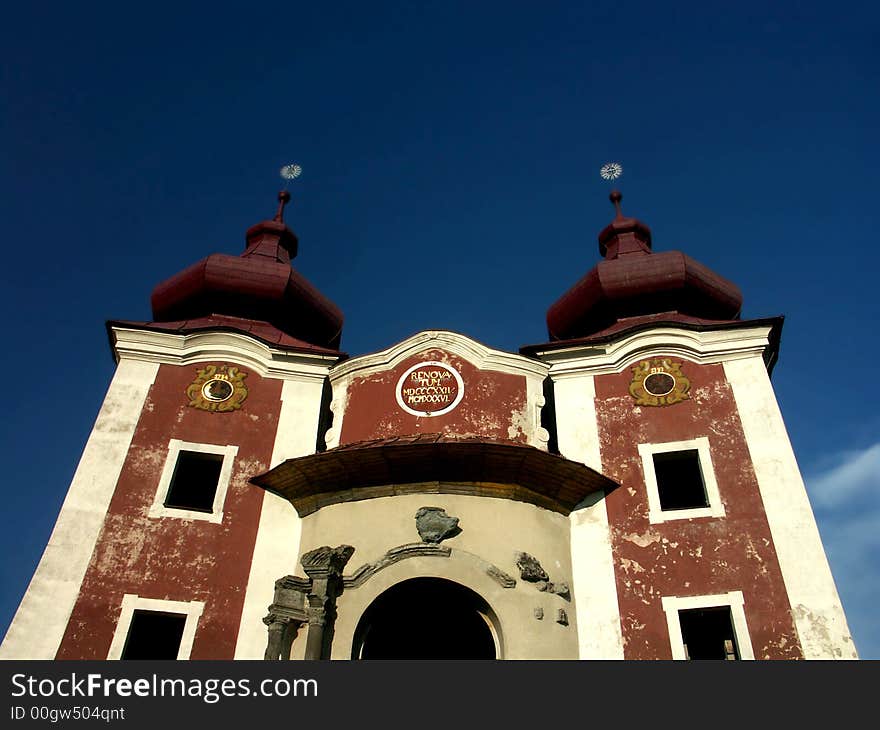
659,382
218,389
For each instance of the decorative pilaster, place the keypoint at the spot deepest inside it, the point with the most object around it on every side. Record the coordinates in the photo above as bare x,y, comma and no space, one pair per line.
324,566
309,600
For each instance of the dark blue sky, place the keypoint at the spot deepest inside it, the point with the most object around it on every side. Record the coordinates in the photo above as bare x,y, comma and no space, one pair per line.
450,155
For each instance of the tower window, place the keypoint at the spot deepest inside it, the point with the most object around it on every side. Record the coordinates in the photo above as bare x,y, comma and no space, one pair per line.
707,633
154,635
194,481
680,480
708,627
153,628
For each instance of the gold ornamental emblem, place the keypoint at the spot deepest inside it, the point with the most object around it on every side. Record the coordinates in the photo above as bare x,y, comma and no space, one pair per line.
218,388
659,382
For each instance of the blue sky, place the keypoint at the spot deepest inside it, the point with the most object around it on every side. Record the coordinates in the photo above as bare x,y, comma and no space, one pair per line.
450,155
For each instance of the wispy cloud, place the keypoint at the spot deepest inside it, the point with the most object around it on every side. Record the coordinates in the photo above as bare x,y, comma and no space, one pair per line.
846,498
856,474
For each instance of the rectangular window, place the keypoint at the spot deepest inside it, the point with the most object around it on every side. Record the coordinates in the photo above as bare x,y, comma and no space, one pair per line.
680,480
707,633
154,628
194,481
708,627
154,635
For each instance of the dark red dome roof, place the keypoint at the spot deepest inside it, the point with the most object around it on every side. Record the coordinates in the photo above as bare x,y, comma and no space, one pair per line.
257,285
633,281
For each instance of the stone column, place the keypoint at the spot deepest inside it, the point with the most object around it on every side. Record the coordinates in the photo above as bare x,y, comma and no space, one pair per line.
324,566
282,632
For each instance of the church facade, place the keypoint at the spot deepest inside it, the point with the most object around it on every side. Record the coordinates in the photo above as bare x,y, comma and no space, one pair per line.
626,490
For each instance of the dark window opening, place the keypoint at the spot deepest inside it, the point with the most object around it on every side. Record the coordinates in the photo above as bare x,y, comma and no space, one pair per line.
154,635
194,483
680,480
325,418
548,416
708,633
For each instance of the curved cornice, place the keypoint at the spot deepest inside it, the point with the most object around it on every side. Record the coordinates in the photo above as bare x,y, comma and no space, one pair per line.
706,346
174,349
480,355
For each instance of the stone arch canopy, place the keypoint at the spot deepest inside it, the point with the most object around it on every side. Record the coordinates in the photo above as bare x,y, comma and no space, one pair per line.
433,463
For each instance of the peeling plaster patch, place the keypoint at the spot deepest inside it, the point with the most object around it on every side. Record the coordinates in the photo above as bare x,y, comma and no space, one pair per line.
644,540
628,565
634,624
519,423
820,631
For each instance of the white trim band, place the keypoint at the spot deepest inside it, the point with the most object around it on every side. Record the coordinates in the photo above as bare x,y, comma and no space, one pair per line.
656,513
175,446
733,600
132,602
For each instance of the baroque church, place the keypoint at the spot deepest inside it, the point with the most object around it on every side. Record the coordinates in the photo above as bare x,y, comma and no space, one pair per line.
624,490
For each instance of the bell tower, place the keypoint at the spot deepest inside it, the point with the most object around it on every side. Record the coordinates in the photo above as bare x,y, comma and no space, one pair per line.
162,549
709,547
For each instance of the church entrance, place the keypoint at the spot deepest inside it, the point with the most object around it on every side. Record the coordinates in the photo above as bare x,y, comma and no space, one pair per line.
426,618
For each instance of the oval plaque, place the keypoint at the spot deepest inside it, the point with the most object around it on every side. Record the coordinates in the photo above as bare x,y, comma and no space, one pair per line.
430,388
659,382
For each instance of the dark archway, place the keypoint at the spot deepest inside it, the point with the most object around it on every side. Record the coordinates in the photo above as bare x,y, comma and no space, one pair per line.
426,618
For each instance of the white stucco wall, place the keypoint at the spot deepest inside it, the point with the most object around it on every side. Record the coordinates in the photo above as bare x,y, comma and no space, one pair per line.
276,550
816,607
38,626
595,588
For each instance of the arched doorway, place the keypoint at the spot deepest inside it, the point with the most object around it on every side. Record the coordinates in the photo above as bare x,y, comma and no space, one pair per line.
426,618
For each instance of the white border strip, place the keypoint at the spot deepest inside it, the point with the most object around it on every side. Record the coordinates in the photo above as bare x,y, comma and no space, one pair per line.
816,608
39,625
701,445
592,563
175,446
733,599
276,548
132,602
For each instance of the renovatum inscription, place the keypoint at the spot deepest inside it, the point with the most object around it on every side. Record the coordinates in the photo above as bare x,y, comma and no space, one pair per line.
430,389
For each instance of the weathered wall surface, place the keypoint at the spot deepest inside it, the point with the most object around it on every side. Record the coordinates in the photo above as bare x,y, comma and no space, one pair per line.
688,557
170,558
493,532
494,404
39,624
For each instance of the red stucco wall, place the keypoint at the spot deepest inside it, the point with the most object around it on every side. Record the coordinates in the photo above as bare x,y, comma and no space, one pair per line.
493,406
175,559
692,557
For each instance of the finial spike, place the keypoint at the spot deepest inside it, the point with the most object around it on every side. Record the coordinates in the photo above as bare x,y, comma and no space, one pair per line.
615,197
283,199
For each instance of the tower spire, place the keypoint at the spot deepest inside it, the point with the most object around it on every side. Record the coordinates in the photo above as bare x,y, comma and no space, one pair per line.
283,199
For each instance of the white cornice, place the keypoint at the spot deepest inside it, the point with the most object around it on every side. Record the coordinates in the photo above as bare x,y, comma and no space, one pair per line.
483,357
269,362
710,346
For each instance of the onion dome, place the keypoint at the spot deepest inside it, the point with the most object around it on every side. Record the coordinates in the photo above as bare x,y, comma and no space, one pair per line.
633,281
258,285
